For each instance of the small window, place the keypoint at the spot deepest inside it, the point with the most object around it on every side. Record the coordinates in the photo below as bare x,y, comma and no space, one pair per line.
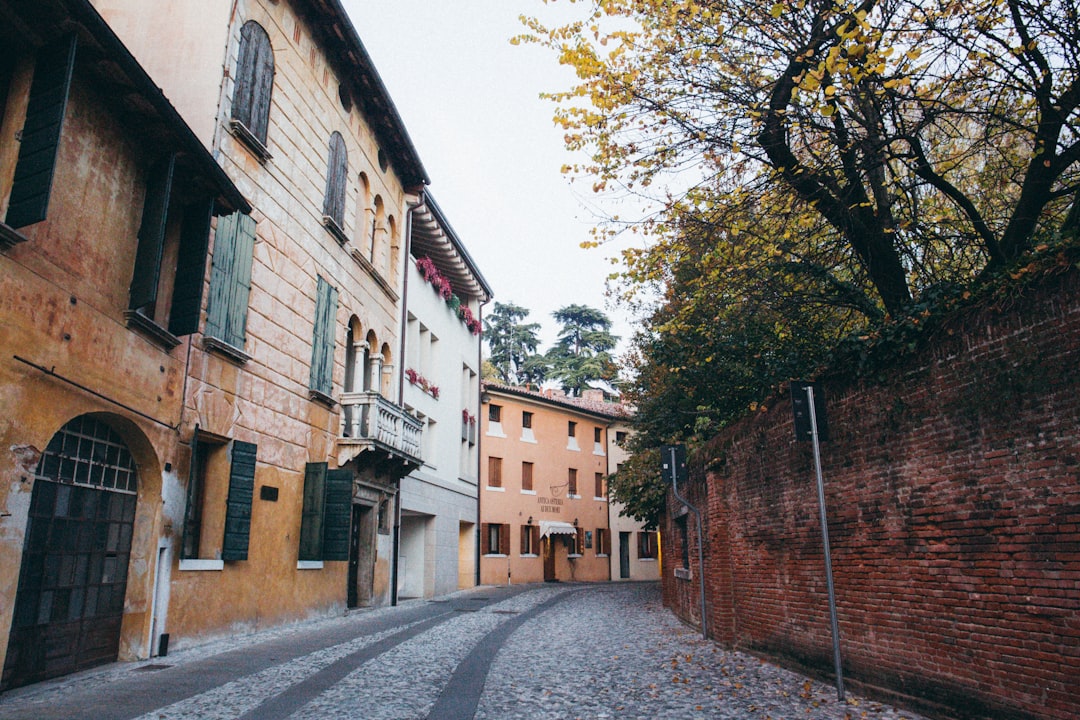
683,540
601,486
254,83
385,517
603,541
647,545
572,480
597,435
526,476
496,539
221,485
526,419
620,438
495,413
530,539
494,472
571,429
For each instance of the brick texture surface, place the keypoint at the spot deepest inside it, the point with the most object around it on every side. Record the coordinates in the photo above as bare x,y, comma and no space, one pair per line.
953,499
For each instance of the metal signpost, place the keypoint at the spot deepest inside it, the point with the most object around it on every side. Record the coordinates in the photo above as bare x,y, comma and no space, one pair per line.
811,424
673,461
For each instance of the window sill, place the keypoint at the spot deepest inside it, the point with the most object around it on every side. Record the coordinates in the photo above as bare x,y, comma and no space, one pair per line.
599,499
494,488
494,555
573,555
574,447
529,555
528,492
229,352
646,559
335,229
150,329
602,555
201,565
245,136
684,574
322,398
375,275
10,237
531,441
573,496
309,564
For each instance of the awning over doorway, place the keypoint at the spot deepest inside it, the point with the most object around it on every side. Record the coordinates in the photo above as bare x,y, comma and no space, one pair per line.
554,527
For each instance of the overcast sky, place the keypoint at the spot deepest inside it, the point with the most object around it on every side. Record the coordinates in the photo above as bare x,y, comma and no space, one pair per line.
470,102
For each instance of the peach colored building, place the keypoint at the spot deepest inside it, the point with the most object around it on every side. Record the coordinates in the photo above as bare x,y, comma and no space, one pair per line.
543,486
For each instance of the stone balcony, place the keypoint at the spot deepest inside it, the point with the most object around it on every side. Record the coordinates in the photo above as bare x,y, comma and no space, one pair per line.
372,424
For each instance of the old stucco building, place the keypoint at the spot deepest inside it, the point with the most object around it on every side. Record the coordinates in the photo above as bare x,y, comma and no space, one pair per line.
107,200
543,490
636,551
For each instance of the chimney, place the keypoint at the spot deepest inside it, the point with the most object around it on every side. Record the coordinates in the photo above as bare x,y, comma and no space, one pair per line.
596,396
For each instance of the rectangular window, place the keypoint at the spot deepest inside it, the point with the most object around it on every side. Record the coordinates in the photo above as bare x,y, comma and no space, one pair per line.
571,429
230,279
326,513
683,540
597,435
526,476
572,480
495,413
620,437
530,539
496,538
526,419
221,486
603,541
646,545
601,486
495,472
322,346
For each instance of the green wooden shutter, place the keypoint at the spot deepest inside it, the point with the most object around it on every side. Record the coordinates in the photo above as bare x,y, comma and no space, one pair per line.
230,279
190,268
337,514
322,346
311,517
147,273
254,80
32,185
238,506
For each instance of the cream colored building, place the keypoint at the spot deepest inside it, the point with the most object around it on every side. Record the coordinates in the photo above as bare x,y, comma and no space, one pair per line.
296,369
543,489
636,551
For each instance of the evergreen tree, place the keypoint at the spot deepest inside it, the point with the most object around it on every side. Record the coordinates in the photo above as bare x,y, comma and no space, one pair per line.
581,355
512,344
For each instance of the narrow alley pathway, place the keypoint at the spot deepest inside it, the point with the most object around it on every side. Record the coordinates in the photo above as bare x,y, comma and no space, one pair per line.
539,652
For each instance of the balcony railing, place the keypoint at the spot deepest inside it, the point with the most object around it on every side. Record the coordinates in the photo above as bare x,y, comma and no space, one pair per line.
369,418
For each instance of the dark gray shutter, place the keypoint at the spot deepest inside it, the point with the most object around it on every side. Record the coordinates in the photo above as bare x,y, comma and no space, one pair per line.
336,175
189,542
190,268
144,280
254,80
29,199
238,506
311,516
322,346
337,514
230,279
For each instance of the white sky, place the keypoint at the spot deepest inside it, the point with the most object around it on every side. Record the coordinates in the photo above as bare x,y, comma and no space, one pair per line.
469,100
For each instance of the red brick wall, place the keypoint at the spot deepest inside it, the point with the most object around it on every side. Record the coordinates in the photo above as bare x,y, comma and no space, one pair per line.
953,496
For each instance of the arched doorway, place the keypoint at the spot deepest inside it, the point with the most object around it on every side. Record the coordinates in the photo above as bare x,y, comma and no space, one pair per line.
70,602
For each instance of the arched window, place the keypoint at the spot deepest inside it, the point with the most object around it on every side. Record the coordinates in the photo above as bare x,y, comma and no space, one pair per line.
254,81
336,176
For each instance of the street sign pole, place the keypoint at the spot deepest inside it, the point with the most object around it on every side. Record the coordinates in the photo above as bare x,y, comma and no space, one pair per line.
825,541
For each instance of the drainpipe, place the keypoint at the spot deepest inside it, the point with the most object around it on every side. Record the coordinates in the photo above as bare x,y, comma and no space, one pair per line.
700,552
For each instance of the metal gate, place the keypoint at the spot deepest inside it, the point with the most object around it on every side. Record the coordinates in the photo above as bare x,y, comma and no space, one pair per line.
70,601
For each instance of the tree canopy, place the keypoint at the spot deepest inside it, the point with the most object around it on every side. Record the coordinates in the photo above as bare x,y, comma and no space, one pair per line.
512,344
582,353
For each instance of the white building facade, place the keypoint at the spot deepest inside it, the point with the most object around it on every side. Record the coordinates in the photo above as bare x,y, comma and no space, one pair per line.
635,551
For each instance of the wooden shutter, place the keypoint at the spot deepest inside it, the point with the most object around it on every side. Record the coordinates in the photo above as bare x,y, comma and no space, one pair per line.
336,177
189,539
485,534
322,345
605,534
190,268
337,514
230,279
525,537
238,506
311,517
504,539
32,184
254,80
155,215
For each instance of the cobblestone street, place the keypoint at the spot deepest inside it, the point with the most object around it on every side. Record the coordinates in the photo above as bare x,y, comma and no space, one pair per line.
539,652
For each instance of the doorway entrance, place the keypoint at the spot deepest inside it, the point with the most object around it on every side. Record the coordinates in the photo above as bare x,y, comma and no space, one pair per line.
361,556
548,548
69,605
624,555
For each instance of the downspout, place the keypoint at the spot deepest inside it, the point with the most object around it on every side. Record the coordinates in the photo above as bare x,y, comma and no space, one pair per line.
396,539
479,438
